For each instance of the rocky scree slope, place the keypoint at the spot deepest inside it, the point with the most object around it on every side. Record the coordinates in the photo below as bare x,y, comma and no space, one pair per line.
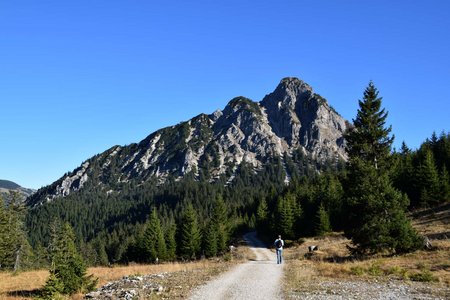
292,118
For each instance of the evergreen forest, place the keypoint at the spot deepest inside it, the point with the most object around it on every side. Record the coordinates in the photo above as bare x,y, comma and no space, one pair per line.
147,222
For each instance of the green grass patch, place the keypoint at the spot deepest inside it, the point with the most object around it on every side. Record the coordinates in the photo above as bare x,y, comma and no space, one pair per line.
358,271
375,270
423,276
398,271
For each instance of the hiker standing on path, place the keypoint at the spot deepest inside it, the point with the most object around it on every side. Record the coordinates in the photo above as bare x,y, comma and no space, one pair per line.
279,243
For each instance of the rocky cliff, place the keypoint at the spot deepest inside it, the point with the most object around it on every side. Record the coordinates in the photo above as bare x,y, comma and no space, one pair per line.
291,118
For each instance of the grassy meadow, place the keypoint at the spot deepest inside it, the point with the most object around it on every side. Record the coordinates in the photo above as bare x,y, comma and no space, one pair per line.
333,259
185,276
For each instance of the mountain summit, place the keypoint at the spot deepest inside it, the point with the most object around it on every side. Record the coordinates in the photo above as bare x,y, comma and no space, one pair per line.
290,119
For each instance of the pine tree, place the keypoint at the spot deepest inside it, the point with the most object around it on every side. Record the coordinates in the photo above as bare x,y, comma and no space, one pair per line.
154,243
376,210
285,216
68,270
14,246
190,238
330,196
171,242
102,256
262,215
323,225
428,180
404,178
370,141
210,240
444,185
221,224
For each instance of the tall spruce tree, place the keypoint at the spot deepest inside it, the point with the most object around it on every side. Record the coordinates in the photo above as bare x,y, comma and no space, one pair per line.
323,225
286,216
221,224
68,270
154,243
170,238
376,210
428,180
13,240
404,178
210,240
444,185
262,218
190,238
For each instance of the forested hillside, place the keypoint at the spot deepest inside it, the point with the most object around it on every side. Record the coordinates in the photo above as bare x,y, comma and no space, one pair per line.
188,217
111,227
423,173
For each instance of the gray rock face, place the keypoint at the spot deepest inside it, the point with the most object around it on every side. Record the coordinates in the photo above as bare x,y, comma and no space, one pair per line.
290,118
305,119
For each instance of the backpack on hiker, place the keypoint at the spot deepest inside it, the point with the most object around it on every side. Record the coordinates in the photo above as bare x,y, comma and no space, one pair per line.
278,244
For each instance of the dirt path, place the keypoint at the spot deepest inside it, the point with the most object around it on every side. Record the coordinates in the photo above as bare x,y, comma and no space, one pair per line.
258,279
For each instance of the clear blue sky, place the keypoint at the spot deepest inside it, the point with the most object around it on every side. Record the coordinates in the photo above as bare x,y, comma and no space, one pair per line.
78,77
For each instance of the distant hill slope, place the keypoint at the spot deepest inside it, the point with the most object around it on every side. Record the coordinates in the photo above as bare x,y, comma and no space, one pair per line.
291,121
6,187
6,184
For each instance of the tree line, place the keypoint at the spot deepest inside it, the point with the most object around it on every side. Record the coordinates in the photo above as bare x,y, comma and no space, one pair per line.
367,198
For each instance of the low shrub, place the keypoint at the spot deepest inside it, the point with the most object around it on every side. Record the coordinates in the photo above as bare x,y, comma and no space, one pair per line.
375,270
423,276
357,270
398,271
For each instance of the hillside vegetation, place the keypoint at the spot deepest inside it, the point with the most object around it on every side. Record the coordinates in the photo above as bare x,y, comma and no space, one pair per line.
176,279
331,269
184,218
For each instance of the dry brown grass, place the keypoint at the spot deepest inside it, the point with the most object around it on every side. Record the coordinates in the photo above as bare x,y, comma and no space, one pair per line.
333,260
185,275
106,274
22,285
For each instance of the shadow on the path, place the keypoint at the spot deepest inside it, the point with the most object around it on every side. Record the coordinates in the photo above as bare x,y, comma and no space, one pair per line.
253,241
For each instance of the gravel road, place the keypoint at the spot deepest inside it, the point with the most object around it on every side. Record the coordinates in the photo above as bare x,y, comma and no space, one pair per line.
258,279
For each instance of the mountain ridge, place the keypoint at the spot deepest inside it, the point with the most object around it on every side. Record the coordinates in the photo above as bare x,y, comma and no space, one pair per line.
208,146
7,187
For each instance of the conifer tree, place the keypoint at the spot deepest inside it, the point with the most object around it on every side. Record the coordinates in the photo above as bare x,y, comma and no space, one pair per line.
13,241
154,243
190,238
68,270
102,256
428,180
262,215
404,177
323,225
330,194
210,240
221,224
285,219
376,210
171,242
444,185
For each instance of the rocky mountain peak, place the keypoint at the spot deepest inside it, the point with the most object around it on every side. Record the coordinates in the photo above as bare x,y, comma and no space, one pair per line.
293,83
289,119
304,119
239,104
288,91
